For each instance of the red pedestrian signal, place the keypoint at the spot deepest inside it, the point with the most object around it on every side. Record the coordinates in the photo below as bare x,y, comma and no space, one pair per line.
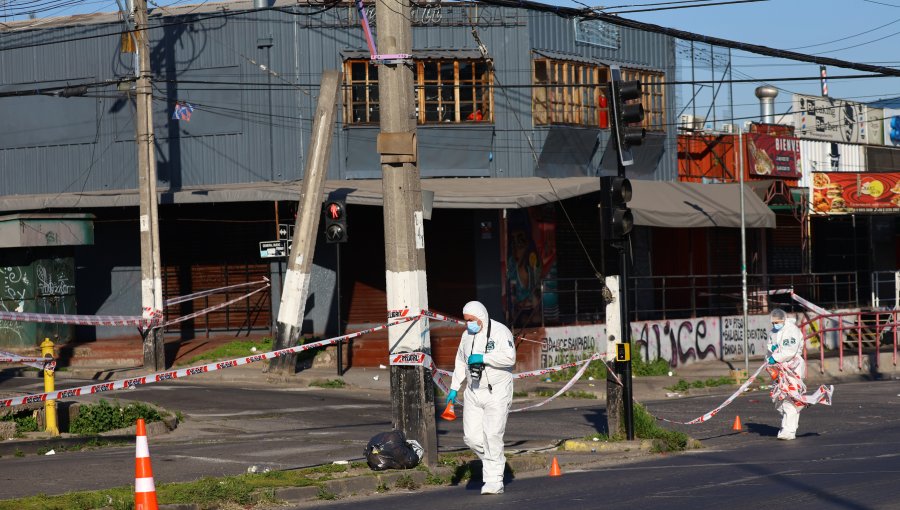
335,221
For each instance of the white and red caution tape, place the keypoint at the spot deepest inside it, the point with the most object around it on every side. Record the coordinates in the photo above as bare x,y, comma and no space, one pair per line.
31,361
213,308
122,384
218,290
729,400
149,320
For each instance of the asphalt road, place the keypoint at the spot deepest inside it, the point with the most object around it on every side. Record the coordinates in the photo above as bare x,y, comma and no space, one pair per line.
229,430
846,457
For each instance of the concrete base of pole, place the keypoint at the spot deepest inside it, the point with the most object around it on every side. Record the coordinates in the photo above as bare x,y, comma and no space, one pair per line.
412,408
285,336
615,408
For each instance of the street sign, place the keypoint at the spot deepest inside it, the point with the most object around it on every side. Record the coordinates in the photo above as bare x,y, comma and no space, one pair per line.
285,231
272,249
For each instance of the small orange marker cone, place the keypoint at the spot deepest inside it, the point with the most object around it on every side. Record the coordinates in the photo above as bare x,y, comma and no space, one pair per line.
144,488
554,468
449,414
737,423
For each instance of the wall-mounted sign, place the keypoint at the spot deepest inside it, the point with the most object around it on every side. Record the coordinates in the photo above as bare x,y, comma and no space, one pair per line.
836,120
846,192
596,33
773,156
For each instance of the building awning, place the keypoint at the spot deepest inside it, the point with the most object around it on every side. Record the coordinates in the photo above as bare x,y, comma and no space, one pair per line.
659,204
687,204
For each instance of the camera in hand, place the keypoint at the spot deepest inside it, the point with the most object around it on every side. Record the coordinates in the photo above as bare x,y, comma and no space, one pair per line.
475,370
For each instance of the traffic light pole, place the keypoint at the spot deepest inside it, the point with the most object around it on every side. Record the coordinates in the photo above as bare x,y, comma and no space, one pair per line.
623,368
295,289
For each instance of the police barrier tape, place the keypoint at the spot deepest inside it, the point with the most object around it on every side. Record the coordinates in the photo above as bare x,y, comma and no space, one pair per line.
150,319
729,400
209,292
33,361
122,384
212,308
420,359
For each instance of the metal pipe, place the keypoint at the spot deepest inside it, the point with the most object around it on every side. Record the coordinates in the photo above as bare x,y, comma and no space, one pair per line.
766,95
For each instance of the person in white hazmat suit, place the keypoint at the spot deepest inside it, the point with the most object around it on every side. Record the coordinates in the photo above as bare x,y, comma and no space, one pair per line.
786,363
488,346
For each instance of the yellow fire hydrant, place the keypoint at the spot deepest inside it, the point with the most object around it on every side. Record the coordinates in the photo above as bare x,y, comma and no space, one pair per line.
49,405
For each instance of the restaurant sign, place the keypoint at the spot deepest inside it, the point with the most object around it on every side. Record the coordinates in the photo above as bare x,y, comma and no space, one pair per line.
852,192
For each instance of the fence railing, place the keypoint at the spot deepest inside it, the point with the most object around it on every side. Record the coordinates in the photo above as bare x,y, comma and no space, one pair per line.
885,289
855,332
572,300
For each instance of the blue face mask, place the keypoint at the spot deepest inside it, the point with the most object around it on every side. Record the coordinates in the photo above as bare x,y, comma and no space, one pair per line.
473,327
777,326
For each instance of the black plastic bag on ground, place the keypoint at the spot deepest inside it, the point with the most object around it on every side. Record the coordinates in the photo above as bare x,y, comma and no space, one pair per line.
391,450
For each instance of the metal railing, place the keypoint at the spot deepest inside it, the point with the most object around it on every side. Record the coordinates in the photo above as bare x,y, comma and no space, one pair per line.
572,300
857,332
885,289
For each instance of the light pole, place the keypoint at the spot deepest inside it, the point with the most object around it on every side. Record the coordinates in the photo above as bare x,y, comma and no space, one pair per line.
740,156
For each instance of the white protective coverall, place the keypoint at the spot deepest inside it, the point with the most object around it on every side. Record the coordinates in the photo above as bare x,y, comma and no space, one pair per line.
786,348
486,401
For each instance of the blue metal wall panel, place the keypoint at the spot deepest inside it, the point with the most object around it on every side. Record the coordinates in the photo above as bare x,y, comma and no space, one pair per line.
232,138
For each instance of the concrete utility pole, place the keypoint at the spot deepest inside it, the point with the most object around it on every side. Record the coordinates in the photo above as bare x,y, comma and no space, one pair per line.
412,388
296,281
151,272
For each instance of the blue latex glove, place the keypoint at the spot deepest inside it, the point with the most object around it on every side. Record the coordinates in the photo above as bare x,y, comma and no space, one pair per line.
771,360
451,397
476,358
774,347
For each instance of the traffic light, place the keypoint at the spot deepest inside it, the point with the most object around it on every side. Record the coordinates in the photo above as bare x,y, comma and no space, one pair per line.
335,221
626,110
615,193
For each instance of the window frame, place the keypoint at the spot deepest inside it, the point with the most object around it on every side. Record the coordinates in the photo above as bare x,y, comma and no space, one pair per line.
653,96
567,92
451,109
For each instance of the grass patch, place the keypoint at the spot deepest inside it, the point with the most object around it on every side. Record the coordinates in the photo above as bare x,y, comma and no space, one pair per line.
520,394
597,369
328,383
25,421
325,495
664,440
643,368
231,350
241,490
103,417
684,386
406,482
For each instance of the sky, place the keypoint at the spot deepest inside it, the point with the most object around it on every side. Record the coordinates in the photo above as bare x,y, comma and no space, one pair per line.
856,30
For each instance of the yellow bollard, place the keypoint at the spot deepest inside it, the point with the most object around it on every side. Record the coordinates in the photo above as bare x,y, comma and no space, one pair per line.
49,405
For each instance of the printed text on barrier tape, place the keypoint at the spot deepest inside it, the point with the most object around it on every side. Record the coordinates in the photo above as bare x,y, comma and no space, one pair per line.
80,320
122,384
48,364
420,359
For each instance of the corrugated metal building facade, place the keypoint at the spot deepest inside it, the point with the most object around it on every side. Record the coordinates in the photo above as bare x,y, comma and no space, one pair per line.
252,77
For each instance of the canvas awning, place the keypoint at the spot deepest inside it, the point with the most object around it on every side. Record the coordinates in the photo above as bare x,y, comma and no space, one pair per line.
687,204
659,204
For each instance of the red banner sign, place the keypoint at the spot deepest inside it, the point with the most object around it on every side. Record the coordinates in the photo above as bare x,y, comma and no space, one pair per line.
773,156
848,192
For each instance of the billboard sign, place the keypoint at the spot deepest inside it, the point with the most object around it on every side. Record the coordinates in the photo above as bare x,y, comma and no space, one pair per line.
835,120
773,156
846,192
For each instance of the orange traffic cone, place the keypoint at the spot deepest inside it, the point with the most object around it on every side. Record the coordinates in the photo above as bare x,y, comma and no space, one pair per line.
554,468
144,489
448,413
737,423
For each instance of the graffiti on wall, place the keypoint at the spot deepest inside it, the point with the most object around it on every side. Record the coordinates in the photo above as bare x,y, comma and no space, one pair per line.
15,289
733,336
571,343
679,341
531,258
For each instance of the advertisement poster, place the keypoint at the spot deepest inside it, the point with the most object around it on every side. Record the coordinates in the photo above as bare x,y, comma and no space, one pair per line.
773,156
835,120
846,192
531,258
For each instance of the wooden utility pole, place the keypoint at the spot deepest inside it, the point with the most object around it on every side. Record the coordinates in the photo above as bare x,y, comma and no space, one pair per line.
412,388
151,273
296,281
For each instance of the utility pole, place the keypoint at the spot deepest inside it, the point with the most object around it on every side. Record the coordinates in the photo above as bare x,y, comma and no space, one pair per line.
151,273
296,281
412,387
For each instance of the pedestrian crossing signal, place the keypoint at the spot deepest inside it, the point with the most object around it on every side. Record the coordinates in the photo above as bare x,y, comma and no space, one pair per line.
335,221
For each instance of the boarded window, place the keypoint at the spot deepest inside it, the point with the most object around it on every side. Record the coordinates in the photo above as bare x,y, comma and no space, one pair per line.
654,98
569,93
